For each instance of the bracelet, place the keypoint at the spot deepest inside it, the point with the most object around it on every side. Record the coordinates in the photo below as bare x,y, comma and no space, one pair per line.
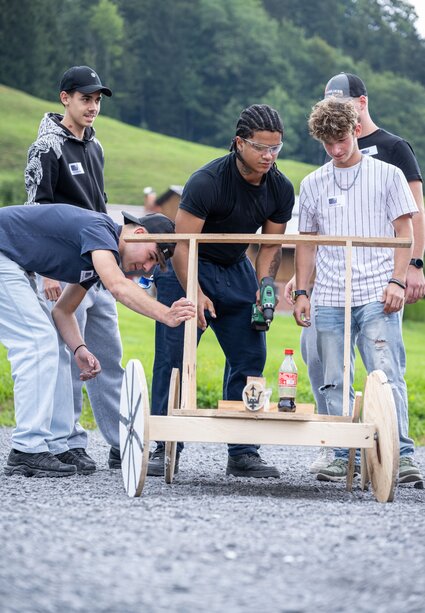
397,282
77,348
299,292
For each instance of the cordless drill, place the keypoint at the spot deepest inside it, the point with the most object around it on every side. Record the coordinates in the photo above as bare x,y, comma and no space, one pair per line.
262,316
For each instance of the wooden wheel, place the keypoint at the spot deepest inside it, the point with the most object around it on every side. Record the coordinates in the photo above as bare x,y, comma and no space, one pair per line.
173,403
134,428
383,458
352,453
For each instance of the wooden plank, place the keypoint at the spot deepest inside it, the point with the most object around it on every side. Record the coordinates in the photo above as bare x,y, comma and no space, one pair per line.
358,401
261,431
276,416
274,239
188,395
238,405
347,331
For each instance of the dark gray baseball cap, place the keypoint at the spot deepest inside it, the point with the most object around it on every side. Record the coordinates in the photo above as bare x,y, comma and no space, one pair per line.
345,85
155,223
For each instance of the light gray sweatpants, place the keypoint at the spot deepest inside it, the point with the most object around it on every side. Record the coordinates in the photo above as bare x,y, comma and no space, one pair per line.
98,321
40,364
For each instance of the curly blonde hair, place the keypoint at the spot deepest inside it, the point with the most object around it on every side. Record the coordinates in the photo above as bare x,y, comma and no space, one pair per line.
332,119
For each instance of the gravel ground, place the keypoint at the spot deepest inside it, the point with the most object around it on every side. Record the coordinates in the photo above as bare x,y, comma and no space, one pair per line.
207,542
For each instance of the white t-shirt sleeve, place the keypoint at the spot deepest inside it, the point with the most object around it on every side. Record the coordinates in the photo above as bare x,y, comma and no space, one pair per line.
307,221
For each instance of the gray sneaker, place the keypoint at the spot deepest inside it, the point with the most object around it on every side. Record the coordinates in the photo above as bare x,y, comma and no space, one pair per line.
408,472
336,471
250,465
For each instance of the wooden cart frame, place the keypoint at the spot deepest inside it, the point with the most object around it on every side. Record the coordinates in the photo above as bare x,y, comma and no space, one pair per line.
372,428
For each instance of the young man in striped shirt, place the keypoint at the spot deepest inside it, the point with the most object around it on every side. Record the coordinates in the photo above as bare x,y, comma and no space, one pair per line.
355,195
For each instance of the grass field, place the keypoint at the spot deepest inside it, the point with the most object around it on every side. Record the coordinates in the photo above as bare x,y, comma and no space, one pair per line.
134,157
138,340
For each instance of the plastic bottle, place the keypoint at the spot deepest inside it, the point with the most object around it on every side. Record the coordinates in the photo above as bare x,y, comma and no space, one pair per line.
146,282
288,379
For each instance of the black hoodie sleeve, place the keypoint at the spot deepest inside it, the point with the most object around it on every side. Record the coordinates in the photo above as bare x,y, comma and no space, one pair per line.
41,174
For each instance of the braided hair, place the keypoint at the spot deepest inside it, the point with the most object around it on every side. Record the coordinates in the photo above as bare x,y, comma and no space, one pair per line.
256,118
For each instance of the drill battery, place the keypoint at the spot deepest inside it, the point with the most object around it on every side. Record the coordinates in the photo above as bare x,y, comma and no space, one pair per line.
262,315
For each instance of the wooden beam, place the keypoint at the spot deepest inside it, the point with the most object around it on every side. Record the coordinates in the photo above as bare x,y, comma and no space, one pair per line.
273,239
188,396
267,432
347,331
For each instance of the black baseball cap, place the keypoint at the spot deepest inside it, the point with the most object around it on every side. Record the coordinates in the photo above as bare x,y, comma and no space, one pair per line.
345,85
155,223
83,79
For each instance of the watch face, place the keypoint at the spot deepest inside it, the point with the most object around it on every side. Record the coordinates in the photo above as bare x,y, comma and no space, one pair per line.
417,262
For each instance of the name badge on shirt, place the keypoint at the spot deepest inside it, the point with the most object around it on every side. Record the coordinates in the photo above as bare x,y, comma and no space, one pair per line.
334,201
370,150
76,168
85,275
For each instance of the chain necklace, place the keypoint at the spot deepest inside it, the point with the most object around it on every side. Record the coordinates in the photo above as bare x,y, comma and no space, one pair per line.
345,189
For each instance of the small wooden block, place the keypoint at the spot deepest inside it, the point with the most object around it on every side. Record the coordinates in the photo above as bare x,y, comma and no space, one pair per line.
261,380
237,405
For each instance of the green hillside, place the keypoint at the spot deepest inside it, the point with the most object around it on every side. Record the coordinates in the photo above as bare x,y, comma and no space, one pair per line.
134,157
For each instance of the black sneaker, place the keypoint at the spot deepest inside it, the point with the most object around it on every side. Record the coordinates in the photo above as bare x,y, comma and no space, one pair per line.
43,464
156,465
250,465
79,458
114,459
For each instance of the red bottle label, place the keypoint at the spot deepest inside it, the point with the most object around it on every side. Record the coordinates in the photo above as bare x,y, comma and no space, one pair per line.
288,379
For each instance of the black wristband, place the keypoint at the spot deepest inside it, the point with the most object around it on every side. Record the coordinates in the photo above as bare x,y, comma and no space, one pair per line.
397,282
299,292
77,348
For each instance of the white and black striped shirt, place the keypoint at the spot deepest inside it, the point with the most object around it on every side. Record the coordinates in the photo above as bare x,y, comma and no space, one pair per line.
379,195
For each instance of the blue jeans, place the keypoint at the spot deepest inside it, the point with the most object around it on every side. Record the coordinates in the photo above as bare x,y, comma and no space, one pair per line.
379,339
232,291
308,343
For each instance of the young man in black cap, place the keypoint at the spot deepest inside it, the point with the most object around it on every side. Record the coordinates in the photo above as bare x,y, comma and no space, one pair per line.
65,164
88,248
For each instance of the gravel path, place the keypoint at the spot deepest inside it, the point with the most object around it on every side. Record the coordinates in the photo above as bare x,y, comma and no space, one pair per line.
208,543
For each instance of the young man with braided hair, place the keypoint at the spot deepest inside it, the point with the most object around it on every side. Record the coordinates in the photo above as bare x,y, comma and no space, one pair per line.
355,195
238,193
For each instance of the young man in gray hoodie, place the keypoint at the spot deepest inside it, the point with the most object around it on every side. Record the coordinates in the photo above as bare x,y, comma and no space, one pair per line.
65,164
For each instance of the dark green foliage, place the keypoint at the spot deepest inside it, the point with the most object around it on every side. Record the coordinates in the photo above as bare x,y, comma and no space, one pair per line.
415,312
187,68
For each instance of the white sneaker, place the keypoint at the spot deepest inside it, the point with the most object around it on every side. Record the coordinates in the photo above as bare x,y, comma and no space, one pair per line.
325,457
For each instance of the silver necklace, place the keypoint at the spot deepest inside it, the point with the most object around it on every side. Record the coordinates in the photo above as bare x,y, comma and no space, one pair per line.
345,189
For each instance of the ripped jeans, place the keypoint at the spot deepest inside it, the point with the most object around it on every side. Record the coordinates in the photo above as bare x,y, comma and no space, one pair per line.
380,342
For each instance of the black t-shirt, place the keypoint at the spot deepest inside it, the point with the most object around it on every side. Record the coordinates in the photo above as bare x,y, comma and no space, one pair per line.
57,241
391,149
219,194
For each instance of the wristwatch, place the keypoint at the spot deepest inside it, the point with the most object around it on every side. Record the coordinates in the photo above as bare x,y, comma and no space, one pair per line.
416,262
298,292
